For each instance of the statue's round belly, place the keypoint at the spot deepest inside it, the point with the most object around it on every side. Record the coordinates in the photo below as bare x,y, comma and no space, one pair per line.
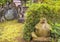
42,33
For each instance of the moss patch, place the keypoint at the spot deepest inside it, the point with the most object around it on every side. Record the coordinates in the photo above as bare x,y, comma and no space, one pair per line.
10,30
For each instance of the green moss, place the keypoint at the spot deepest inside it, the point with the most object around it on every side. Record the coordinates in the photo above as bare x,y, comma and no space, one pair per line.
10,30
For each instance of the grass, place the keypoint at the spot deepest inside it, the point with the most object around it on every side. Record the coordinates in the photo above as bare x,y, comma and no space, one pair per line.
10,30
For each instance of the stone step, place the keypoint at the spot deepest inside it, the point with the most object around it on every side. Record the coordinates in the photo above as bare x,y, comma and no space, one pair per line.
42,39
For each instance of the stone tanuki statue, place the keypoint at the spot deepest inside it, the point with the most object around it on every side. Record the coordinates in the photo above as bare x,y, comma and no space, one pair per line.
42,30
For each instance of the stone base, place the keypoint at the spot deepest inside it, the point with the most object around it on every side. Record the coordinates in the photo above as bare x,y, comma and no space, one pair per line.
42,39
21,20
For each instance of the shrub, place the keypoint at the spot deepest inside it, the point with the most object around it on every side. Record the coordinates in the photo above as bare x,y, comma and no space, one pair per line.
33,14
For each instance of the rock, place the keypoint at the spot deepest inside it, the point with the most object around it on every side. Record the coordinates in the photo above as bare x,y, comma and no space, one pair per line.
9,14
2,19
15,13
42,39
21,20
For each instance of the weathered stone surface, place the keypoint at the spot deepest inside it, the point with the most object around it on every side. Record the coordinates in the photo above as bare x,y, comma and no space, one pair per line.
21,20
42,31
9,14
43,39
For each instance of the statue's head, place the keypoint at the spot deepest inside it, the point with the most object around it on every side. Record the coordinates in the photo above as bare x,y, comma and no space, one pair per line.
43,20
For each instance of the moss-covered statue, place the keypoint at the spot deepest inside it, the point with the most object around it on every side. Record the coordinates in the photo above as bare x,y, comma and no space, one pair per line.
42,30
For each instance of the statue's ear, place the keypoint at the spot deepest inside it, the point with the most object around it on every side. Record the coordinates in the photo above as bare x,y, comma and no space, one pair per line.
36,27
